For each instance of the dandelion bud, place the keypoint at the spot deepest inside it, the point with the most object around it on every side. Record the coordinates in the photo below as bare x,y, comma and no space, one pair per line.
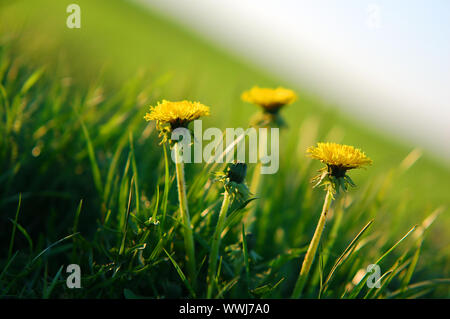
236,172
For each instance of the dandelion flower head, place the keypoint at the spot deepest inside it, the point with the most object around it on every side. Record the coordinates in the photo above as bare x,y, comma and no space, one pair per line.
177,114
271,100
337,155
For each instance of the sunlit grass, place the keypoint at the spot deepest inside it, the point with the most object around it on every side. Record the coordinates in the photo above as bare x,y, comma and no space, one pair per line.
84,181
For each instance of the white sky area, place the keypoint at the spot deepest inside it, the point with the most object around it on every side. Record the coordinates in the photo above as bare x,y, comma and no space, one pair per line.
387,62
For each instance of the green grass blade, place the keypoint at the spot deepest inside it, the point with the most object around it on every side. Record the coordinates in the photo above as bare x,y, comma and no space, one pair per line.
10,260
32,80
92,158
402,293
412,267
343,256
111,170
123,193
166,187
77,216
155,210
371,292
24,232
395,245
135,174
13,233
181,274
245,254
48,291
75,227
127,216
357,289
51,246
226,288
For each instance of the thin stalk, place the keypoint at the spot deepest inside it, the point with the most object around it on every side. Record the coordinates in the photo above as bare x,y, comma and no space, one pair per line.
249,218
310,254
331,239
214,254
13,233
185,218
255,187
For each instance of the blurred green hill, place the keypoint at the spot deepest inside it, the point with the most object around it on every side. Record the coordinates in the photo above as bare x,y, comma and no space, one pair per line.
117,39
120,40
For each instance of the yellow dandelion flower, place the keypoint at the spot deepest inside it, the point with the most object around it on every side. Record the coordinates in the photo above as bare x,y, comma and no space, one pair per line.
271,100
343,156
338,158
169,116
177,114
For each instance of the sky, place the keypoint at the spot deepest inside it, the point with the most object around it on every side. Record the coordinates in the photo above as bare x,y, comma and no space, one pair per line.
386,62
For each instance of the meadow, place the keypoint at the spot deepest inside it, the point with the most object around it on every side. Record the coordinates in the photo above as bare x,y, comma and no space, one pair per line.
83,179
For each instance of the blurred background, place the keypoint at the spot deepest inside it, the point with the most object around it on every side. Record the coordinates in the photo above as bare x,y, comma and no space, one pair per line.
373,74
385,63
382,61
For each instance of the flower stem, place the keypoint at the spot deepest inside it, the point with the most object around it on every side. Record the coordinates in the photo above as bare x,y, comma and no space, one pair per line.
255,187
213,257
311,252
184,211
